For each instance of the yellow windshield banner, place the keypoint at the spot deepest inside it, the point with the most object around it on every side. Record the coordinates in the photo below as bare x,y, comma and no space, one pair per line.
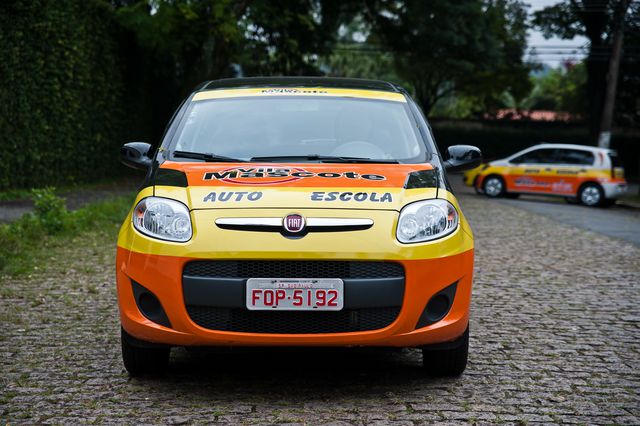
299,91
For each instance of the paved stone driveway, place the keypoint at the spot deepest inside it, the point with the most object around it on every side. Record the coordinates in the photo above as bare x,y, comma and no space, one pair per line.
555,338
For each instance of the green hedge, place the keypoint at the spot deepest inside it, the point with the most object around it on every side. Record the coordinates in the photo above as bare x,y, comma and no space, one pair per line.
500,139
61,91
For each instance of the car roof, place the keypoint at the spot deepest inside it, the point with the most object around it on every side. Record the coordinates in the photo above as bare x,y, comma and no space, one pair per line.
328,82
569,146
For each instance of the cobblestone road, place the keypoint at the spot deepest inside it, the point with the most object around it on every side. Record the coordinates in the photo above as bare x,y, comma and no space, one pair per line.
555,338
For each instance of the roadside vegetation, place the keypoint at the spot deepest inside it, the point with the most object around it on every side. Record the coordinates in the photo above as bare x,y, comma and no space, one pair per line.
28,242
125,179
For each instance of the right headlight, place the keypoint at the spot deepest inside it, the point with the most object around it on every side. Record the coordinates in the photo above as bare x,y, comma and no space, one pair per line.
426,220
163,218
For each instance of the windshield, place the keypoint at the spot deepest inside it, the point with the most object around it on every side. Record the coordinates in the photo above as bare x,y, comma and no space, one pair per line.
249,127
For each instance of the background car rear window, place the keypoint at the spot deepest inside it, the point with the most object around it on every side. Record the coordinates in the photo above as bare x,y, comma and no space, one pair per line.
575,156
250,127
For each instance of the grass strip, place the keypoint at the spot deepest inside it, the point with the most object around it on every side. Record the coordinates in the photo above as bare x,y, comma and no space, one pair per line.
26,244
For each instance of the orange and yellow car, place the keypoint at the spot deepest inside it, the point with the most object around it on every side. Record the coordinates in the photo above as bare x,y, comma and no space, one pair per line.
590,175
296,211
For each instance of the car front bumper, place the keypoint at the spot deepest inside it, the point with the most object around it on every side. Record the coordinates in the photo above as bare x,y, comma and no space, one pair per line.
379,310
163,277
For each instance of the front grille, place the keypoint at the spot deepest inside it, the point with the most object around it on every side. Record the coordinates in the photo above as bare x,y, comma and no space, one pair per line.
237,318
292,269
292,322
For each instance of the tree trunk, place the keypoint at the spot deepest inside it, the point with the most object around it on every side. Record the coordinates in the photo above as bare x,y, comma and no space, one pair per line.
604,137
596,83
595,24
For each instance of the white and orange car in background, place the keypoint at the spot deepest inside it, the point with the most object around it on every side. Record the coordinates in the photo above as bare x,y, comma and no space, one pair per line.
587,174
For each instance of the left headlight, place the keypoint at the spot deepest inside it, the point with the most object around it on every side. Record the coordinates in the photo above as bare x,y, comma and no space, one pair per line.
426,220
163,218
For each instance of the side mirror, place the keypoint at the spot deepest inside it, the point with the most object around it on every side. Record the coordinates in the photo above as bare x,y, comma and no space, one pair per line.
462,157
136,155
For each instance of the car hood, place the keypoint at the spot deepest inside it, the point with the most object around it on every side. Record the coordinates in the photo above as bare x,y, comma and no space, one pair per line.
291,186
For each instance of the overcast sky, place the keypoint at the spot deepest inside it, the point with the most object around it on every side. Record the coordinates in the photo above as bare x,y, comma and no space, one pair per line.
554,50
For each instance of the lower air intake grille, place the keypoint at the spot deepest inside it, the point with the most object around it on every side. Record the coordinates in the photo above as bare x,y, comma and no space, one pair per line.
292,269
292,322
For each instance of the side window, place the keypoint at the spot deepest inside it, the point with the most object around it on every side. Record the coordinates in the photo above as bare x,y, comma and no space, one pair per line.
549,156
575,157
538,156
529,157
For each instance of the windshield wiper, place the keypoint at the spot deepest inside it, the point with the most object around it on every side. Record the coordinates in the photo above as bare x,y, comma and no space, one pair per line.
324,159
206,156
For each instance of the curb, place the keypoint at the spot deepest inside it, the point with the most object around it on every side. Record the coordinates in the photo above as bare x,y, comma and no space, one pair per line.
628,204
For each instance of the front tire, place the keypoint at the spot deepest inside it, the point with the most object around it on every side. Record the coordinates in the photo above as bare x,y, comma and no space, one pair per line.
447,360
140,360
493,186
591,195
476,187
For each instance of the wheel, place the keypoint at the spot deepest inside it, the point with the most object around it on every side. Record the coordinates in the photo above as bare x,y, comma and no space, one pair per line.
591,194
447,360
493,186
140,360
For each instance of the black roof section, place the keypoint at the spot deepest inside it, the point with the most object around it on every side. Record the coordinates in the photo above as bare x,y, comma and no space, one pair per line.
341,83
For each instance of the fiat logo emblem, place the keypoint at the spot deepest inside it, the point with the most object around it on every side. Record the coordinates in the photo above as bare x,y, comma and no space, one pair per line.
293,222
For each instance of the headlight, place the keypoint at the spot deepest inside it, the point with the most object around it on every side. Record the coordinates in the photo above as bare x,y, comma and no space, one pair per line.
163,218
426,220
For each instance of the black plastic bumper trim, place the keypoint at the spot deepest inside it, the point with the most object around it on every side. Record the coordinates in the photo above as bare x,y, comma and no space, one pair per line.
428,316
230,292
155,312
219,292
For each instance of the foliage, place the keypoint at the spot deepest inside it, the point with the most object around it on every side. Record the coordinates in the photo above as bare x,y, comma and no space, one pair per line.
360,60
172,46
60,98
289,38
179,44
469,47
26,242
353,56
594,19
50,210
561,89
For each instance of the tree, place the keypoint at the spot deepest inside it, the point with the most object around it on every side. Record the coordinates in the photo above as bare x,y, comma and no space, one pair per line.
170,46
352,56
288,37
173,45
468,47
560,89
593,19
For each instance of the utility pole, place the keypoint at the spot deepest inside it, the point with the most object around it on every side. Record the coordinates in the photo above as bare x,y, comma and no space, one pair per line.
604,138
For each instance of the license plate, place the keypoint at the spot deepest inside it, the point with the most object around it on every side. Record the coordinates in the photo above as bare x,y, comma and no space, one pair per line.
295,294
